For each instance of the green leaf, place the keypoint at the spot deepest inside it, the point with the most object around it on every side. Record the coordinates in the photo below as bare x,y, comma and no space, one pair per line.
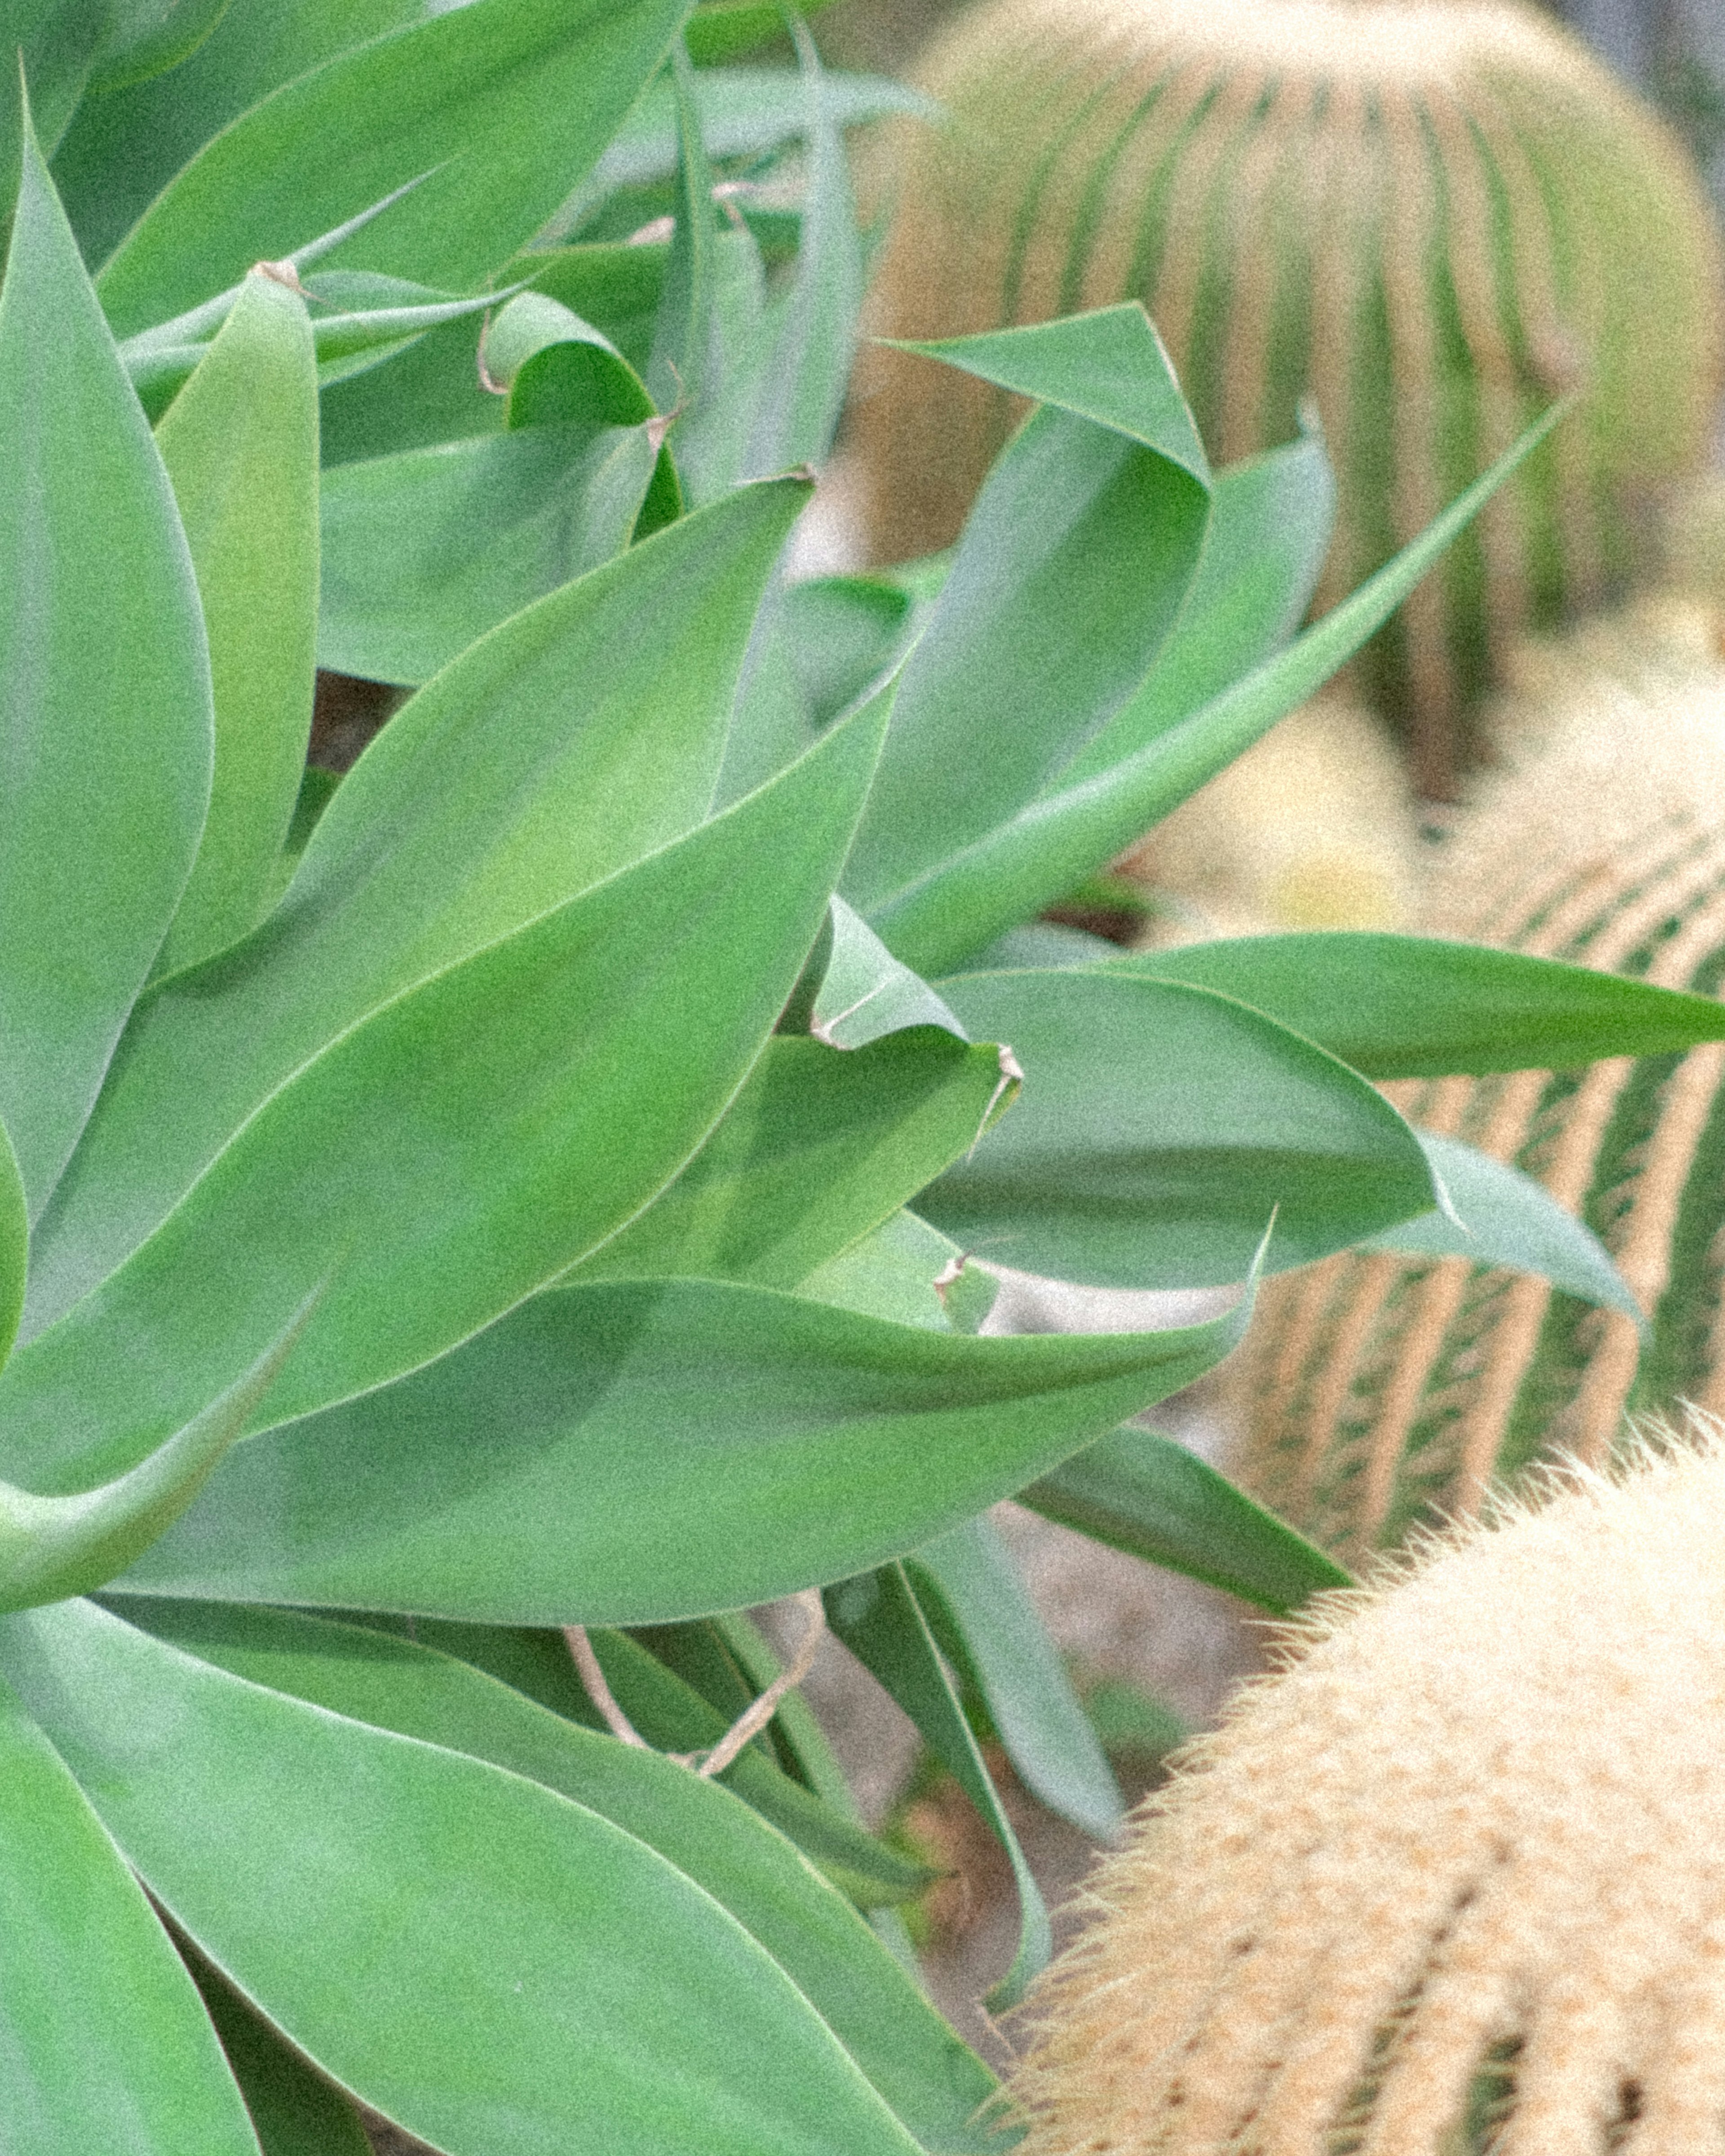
426,550
879,1618
499,1970
682,357
1073,568
574,740
1270,530
989,1629
1156,1133
508,100
295,2111
672,1448
816,1152
240,445
106,2045
929,2077
53,1546
459,1148
124,145
1501,1217
820,645
103,669
1414,1007
808,368
719,29
1141,1493
558,369
1007,874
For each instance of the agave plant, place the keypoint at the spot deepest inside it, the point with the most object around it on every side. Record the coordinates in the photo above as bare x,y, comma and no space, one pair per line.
1427,219
458,1227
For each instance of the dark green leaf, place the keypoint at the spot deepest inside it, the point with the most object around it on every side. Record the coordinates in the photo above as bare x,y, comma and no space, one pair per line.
879,1618
909,1272
106,2045
240,445
559,370
507,100
459,1148
987,1627
1414,1007
642,1451
1156,1134
499,1970
145,36
103,669
1142,1493
574,741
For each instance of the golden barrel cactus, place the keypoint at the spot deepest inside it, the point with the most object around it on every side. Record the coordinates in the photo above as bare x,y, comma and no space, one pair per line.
1453,1883
1428,217
1375,1391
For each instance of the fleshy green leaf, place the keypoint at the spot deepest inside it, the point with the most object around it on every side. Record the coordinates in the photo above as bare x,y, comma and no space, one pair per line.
462,1146
144,37
558,369
879,1618
1141,1493
574,741
1415,1007
642,1451
681,362
14,1245
240,445
1025,862
909,1272
499,1970
922,2070
1072,569
1501,1217
816,1152
1156,1133
508,100
103,670
106,2045
866,993
988,1629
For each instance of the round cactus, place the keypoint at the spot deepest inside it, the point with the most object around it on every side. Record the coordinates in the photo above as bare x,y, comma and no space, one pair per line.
1375,1390
1453,1882
1428,219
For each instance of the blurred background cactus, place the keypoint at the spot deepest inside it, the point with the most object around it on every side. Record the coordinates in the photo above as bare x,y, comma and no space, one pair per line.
1428,219
1378,1390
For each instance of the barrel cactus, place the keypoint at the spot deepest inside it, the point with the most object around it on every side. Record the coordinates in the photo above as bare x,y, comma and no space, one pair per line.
1427,219
1451,1884
1377,1390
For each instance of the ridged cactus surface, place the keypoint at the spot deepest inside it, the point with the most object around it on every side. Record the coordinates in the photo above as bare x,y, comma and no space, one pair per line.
1378,1391
1429,218
1452,1886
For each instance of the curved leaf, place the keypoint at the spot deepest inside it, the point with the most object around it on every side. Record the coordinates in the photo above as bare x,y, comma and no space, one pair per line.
1158,1128
240,445
103,668
497,1970
106,2045
641,1451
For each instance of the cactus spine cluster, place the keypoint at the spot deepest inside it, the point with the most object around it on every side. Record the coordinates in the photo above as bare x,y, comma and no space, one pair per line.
1453,1882
1378,1390
1429,218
